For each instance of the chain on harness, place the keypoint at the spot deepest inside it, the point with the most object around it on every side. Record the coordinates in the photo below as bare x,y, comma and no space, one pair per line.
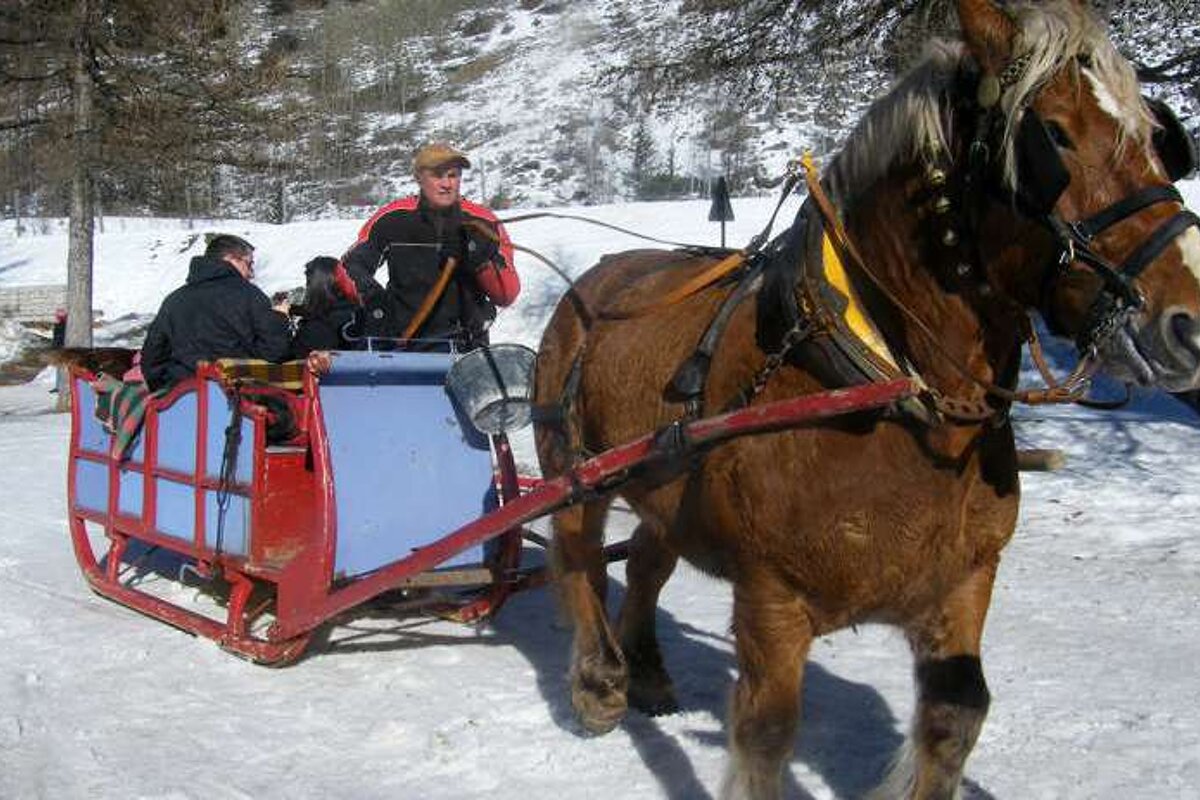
776,359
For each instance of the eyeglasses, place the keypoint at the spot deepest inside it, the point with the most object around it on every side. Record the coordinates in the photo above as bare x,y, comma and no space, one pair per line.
247,263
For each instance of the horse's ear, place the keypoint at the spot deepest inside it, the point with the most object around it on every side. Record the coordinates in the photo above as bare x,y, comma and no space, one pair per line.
988,32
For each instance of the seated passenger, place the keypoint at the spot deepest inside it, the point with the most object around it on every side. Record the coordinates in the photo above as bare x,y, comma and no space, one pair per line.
325,313
217,313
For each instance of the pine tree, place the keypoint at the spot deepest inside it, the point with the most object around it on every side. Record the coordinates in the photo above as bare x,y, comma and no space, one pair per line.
148,95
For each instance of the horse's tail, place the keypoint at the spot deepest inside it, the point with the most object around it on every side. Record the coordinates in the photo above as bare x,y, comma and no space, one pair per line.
558,374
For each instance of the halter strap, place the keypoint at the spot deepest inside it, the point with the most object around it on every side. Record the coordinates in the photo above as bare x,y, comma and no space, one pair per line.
1088,229
1106,314
1158,241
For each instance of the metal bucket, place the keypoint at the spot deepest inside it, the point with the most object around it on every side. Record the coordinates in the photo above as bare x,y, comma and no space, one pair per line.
493,386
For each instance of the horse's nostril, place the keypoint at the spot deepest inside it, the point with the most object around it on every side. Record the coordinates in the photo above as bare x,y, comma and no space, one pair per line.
1186,332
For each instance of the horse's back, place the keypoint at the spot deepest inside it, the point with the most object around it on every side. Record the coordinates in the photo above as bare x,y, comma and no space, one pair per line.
806,492
625,357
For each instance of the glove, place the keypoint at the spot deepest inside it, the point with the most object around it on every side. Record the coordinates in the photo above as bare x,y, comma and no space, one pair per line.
481,251
451,248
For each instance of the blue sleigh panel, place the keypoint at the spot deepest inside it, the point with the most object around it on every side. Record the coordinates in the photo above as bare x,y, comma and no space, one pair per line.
177,451
405,470
92,477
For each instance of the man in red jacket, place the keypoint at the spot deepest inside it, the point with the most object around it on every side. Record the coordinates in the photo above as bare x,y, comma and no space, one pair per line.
449,261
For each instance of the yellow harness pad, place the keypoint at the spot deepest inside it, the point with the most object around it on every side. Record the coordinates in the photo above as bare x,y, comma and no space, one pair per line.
854,317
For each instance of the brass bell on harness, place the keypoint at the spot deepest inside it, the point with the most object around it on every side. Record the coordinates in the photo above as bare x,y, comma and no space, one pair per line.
941,205
949,237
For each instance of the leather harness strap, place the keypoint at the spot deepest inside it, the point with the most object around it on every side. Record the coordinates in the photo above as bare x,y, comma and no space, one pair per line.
699,282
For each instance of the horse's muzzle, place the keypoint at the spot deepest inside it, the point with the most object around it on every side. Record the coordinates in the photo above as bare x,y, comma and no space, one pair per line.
1168,349
1163,351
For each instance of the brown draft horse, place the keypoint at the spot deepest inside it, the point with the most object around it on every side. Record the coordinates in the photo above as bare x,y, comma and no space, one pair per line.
880,517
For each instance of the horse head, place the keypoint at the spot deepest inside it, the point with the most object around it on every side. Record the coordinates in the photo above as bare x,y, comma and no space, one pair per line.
1081,156
1045,181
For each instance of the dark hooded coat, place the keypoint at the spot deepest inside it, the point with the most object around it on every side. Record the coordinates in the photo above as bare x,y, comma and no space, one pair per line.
216,314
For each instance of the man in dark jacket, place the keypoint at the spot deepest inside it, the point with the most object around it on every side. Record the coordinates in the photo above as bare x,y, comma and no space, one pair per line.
417,236
217,313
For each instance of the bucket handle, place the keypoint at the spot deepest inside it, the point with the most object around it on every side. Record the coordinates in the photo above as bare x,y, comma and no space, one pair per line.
491,362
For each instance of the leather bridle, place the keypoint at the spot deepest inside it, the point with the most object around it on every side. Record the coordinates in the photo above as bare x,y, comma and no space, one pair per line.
1119,298
1042,178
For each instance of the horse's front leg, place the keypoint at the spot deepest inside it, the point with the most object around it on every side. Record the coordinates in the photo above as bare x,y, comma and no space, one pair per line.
774,632
952,696
599,677
649,567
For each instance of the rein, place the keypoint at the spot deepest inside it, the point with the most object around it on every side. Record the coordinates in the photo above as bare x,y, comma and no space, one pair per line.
609,226
690,287
576,297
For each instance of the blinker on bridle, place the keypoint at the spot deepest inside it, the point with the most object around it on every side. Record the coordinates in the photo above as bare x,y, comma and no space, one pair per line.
1037,155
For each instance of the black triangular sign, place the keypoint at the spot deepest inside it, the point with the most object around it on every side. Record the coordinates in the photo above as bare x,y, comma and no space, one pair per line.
721,210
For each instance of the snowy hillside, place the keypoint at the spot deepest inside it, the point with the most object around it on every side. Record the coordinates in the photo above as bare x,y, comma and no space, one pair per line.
520,86
546,130
525,86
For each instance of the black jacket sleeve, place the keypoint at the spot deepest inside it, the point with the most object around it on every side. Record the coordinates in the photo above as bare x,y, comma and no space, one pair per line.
367,255
272,335
156,356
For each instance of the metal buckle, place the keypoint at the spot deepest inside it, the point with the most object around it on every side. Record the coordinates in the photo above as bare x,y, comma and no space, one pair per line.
1067,257
1078,234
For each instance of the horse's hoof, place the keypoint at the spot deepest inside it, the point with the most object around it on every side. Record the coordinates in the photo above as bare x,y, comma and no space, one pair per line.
650,688
598,715
598,693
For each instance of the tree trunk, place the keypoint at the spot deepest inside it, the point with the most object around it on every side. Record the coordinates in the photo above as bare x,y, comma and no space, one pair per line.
80,247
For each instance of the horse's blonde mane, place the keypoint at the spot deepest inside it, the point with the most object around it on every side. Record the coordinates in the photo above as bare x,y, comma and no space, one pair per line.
911,124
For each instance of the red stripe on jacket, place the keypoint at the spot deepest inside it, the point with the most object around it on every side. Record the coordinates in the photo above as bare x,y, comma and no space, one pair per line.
499,282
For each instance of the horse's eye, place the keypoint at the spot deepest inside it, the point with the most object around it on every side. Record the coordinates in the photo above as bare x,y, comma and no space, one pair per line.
1059,136
1084,60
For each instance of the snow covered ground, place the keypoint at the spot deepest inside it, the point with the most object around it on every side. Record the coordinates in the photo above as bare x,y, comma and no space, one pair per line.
1091,647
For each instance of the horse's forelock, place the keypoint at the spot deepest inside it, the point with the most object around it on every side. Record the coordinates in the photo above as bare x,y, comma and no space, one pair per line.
1052,36
910,122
